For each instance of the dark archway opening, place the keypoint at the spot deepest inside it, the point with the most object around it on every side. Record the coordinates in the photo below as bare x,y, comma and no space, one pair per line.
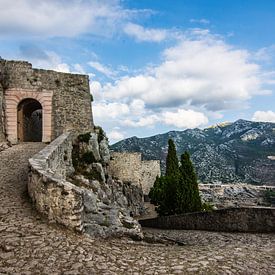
29,119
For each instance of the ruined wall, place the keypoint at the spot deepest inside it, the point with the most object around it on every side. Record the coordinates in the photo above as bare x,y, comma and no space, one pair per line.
71,100
227,220
130,167
150,169
126,166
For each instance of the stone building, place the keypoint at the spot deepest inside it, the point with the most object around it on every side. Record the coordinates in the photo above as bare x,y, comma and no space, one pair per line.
40,105
130,167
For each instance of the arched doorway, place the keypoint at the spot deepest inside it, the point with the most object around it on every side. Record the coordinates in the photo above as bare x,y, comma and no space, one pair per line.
29,120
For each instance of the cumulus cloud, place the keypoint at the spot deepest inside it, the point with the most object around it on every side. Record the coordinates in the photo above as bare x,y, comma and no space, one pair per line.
266,116
115,135
145,34
185,119
109,110
60,18
204,72
102,69
45,59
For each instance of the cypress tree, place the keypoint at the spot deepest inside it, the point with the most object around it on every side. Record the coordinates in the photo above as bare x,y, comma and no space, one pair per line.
172,162
192,201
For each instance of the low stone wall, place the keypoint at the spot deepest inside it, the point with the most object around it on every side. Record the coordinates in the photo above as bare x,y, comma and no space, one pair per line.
227,220
53,196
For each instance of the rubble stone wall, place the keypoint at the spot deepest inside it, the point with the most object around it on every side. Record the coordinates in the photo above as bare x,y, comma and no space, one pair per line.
53,196
150,169
126,166
70,102
227,220
130,167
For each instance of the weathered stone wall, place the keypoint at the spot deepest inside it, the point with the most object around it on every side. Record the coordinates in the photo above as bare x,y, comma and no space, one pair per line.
130,167
71,100
53,196
150,169
84,197
228,220
126,166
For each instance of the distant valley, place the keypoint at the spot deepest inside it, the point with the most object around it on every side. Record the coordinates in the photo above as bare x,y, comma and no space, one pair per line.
243,151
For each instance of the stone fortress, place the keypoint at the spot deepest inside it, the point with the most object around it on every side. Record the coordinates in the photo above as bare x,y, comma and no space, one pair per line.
40,105
73,181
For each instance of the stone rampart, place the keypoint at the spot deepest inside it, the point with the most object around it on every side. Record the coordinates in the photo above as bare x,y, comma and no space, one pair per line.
126,166
129,166
53,196
150,169
227,220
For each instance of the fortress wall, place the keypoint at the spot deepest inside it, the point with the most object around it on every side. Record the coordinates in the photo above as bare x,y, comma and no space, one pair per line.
70,102
59,200
128,166
150,169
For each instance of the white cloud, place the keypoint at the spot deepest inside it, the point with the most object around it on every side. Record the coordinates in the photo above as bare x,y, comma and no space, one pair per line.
266,116
146,121
185,118
204,72
45,60
115,135
102,69
145,34
61,18
109,110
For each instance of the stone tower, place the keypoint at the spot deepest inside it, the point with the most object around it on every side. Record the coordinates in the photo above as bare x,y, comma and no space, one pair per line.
40,105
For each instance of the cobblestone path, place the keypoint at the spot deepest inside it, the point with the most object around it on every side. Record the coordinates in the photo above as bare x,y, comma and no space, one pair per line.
28,245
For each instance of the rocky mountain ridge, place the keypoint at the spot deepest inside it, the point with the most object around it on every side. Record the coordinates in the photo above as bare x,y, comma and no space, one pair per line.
242,151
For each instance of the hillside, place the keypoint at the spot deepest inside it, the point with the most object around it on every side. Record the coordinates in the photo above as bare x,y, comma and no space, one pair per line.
242,151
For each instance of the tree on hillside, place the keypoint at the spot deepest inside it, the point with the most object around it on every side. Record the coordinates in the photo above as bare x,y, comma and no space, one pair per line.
177,192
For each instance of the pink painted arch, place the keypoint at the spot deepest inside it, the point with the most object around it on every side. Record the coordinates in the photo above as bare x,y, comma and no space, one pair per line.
13,97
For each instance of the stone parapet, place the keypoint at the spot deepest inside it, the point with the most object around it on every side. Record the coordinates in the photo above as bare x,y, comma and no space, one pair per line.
53,196
227,220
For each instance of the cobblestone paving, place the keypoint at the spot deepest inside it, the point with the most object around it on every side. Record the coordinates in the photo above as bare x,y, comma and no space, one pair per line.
28,245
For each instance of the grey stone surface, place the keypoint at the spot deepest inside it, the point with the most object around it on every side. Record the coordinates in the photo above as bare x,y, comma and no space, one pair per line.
128,166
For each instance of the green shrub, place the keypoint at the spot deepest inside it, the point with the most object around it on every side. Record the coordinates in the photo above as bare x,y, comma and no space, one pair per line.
84,137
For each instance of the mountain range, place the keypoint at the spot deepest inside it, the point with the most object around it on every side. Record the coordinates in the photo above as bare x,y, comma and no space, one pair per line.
243,151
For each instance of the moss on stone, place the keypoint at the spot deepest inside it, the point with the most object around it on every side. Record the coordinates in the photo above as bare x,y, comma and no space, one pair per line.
88,158
84,137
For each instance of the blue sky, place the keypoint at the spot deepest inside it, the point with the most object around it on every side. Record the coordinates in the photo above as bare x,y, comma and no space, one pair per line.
154,66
